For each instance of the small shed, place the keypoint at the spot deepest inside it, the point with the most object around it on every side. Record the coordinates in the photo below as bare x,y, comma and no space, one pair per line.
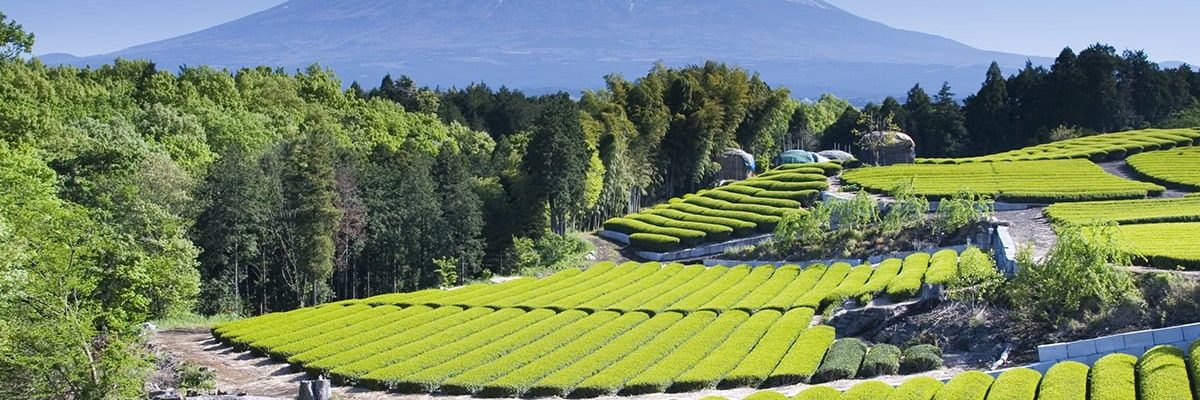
736,165
887,148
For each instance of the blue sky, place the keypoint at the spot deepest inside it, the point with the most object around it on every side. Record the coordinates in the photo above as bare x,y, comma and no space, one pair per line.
1165,28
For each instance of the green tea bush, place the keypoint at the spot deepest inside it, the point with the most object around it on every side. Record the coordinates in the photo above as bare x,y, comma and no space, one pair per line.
881,359
943,267
804,282
921,358
971,385
1126,211
816,297
710,370
758,297
654,242
1016,384
842,360
657,303
610,380
740,228
908,282
699,298
884,273
712,232
757,366
803,359
662,375
1163,374
363,359
819,393
766,395
869,390
1113,378
851,285
919,388
1064,381
419,316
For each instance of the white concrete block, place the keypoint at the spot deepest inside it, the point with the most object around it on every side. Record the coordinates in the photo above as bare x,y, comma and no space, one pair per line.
1138,339
1081,348
1191,332
1052,352
1168,335
1109,344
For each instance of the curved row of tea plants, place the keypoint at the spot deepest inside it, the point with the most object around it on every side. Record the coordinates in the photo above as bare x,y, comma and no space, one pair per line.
1178,167
1166,245
1111,146
1018,182
739,209
654,287
1162,373
1124,212
629,328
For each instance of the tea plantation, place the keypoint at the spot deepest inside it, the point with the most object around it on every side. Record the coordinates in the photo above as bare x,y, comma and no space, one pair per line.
629,328
1177,167
1111,146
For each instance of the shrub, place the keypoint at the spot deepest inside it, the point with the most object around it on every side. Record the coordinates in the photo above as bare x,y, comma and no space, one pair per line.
472,380
700,298
766,395
815,297
653,242
1074,278
763,223
804,282
803,359
1194,366
654,303
354,364
740,228
851,285
709,371
971,385
392,376
943,267
819,393
793,177
687,237
882,359
1016,384
712,232
725,205
919,388
921,358
907,283
884,273
1113,378
518,381
754,369
410,317
842,360
758,297
805,197
1162,374
1065,380
869,390
727,298
662,374
733,197
610,380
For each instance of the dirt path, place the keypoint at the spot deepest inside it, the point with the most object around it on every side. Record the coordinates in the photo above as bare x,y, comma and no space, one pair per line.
1030,228
243,372
606,250
1122,169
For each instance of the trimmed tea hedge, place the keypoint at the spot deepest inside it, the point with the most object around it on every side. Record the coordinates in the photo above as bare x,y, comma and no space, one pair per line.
943,267
1177,167
971,385
803,359
709,371
908,282
1150,211
1111,146
920,358
919,388
1016,384
1167,245
732,211
882,359
842,360
884,273
819,393
767,353
611,379
662,375
1163,374
1063,382
1113,378
1018,182
869,390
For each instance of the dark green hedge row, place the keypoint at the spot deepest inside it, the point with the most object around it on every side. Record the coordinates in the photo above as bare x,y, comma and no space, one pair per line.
920,358
653,242
740,227
686,237
841,361
882,359
712,232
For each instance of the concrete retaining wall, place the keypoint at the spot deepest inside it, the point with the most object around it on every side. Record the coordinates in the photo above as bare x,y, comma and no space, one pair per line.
1134,343
701,251
1004,249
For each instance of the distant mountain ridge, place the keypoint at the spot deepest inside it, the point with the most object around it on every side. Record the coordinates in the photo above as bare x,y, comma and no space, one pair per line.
808,45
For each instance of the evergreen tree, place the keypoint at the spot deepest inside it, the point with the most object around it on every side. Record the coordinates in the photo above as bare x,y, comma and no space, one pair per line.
948,129
987,116
918,124
556,160
309,211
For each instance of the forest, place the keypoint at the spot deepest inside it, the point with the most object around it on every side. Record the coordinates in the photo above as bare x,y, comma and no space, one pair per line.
131,192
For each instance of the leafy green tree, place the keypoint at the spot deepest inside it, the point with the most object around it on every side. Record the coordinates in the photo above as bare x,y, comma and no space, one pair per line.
308,211
556,160
14,41
1074,280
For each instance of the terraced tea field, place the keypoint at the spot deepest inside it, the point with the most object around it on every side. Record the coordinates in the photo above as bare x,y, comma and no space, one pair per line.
1165,245
1177,167
1019,181
1126,211
1161,373
629,328
736,210
1111,146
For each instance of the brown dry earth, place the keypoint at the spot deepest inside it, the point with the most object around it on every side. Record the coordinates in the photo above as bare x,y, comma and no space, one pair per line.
243,372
